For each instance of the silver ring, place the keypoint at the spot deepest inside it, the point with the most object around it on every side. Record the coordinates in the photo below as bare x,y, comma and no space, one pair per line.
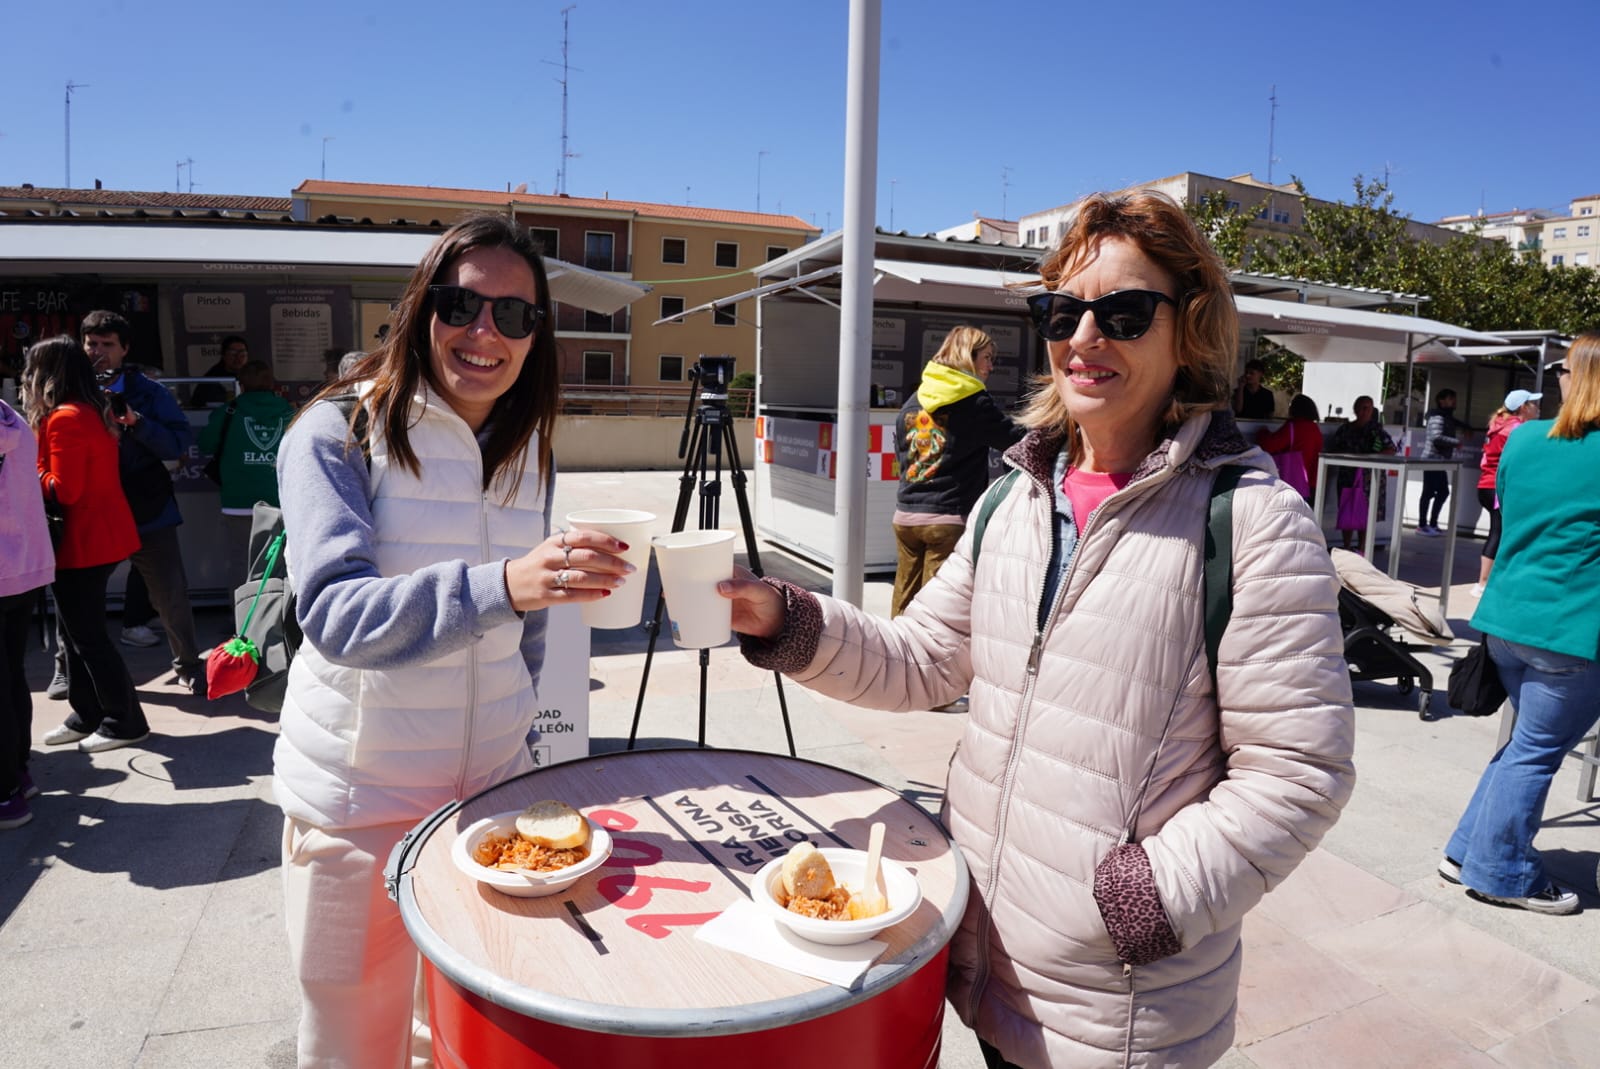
566,553
564,546
561,579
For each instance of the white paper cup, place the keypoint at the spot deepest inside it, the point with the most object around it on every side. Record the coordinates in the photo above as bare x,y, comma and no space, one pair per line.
625,606
692,563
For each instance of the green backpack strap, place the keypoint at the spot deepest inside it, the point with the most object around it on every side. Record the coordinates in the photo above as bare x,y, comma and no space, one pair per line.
1217,578
991,501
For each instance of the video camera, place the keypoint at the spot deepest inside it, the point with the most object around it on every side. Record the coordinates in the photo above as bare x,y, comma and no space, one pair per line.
715,375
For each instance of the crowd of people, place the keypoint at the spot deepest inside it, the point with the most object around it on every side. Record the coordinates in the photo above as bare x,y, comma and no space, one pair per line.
1148,769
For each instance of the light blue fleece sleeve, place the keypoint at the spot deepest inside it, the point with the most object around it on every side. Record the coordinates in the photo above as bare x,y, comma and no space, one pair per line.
348,611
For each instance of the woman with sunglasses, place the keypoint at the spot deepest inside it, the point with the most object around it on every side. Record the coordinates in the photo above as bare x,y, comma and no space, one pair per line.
1542,621
1118,806
420,549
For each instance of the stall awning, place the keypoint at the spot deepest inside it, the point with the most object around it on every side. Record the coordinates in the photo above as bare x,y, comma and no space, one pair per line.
154,248
901,280
1349,335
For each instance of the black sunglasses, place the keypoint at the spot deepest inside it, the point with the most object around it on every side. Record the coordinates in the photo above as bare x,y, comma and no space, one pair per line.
459,306
1121,316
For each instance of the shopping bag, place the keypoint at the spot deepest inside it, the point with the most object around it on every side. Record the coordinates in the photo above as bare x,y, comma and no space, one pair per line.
1353,507
1475,686
256,659
1292,467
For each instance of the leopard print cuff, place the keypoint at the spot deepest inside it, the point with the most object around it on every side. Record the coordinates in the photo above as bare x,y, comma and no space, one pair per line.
1125,891
796,645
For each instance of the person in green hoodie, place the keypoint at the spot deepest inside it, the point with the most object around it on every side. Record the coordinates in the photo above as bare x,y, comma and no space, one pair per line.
942,442
244,435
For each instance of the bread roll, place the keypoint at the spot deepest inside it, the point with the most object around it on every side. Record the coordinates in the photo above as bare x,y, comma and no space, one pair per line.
806,872
553,824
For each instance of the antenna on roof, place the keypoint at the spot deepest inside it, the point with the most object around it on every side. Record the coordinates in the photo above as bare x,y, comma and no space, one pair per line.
71,85
189,163
1272,129
561,171
1005,184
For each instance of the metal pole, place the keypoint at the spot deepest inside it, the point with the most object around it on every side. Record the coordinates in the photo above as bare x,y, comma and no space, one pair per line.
325,141
855,318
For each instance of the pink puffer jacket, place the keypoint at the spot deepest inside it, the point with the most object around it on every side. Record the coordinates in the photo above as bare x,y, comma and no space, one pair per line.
1112,704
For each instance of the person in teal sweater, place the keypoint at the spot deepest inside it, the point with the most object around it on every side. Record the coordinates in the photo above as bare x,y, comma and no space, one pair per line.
1543,626
244,436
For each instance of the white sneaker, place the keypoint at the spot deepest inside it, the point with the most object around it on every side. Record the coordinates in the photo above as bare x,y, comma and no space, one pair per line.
60,735
139,635
99,742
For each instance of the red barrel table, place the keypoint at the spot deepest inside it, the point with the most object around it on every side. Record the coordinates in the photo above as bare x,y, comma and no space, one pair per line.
609,972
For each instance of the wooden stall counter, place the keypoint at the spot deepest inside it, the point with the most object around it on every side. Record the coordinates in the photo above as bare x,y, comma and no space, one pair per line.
609,972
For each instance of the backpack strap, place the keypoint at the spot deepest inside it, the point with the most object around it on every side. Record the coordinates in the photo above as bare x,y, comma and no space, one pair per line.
991,501
1217,578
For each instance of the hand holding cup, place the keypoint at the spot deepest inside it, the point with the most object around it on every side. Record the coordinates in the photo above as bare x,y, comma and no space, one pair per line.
568,568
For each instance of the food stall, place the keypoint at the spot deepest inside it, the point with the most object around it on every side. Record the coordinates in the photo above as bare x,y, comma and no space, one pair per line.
299,293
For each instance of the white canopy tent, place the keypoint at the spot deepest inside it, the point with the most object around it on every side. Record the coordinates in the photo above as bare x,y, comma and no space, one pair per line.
158,247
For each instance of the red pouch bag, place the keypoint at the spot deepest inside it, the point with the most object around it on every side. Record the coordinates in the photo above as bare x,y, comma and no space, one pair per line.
231,667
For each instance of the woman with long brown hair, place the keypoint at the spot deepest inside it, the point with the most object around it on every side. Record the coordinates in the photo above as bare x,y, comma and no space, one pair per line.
416,498
78,475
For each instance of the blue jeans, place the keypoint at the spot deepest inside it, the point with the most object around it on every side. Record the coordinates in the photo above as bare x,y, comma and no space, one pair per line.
1557,699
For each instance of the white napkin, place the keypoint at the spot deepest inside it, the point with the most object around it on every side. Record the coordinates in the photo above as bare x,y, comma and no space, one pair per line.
744,929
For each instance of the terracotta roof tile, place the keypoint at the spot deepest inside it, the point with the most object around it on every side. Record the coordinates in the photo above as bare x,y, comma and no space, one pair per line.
121,198
491,197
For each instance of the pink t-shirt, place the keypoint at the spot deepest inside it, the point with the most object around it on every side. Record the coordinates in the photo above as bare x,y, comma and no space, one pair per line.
1086,489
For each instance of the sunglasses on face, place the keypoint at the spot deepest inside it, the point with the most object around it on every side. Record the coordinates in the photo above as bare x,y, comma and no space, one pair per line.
1121,316
458,306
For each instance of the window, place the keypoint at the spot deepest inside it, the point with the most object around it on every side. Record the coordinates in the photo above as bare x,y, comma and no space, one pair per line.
1556,259
1583,231
671,306
1233,205
674,251
598,250
1580,259
725,316
1029,239
775,251
596,369
597,322
671,368
1560,232
727,254
549,240
1280,216
1586,210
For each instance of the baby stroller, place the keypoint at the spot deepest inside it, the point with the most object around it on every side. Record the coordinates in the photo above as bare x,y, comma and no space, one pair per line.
1378,614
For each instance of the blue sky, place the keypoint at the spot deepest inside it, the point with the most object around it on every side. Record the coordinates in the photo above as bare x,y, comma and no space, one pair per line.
984,107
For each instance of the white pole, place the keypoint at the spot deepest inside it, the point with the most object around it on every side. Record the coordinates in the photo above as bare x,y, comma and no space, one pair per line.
855,318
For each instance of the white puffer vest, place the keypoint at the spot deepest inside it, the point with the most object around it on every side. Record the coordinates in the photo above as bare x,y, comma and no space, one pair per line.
365,747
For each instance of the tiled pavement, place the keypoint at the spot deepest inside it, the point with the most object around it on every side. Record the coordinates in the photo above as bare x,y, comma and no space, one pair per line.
140,911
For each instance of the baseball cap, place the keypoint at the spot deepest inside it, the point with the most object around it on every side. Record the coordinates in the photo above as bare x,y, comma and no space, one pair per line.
1517,398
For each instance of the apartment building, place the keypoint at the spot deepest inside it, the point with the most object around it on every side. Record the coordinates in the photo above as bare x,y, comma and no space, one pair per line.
1276,207
689,255
1520,228
1573,240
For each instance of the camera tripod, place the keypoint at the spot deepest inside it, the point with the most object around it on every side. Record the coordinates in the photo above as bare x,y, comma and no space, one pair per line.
707,433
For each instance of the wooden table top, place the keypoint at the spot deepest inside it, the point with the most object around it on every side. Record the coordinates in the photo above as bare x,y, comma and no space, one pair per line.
617,951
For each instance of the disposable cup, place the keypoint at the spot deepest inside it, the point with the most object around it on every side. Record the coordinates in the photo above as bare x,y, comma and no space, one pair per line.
625,606
692,563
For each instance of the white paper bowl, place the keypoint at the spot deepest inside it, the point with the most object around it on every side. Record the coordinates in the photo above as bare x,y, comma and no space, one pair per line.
901,889
525,884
